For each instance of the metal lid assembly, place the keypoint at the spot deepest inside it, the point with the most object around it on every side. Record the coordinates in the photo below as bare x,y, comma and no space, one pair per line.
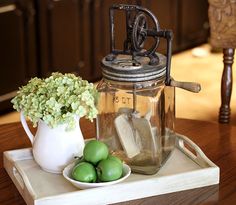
134,63
137,69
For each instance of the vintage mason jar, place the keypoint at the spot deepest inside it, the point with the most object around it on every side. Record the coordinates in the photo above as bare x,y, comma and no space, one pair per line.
136,112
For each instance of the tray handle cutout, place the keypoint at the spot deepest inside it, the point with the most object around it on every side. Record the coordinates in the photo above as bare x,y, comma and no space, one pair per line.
22,181
188,147
18,177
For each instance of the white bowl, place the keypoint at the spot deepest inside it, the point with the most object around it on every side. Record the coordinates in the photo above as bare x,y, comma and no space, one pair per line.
83,185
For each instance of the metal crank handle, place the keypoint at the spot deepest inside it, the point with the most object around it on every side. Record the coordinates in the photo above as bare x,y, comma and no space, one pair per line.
190,86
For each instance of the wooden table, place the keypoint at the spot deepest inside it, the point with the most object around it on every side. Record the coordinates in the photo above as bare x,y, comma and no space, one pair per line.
216,140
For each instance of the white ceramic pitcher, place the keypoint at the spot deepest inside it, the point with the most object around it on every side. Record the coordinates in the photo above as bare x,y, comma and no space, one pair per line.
54,148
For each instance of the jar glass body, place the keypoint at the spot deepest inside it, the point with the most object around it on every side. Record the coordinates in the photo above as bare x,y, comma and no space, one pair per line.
136,121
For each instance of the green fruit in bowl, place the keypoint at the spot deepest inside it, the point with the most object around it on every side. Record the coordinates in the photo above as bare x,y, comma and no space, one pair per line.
109,170
112,157
95,151
84,172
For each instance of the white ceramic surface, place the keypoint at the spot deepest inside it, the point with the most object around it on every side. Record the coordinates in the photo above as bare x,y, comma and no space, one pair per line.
54,148
83,185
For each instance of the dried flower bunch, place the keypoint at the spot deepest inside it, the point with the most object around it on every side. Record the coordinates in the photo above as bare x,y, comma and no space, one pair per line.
57,99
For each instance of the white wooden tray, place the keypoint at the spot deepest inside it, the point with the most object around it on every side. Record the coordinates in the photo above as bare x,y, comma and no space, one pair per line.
184,170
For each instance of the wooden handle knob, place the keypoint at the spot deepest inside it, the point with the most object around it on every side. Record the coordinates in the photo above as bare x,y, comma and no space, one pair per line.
190,86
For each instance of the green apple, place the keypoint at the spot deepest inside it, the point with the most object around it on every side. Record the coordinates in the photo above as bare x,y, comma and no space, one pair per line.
117,159
84,172
109,170
95,151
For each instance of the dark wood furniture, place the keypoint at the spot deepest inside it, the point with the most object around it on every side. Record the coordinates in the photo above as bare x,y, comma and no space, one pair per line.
222,15
42,36
17,47
216,140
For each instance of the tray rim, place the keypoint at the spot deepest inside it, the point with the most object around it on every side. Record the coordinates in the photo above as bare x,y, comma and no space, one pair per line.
200,159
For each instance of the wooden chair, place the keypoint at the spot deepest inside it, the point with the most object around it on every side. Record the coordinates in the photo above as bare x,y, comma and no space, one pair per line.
222,18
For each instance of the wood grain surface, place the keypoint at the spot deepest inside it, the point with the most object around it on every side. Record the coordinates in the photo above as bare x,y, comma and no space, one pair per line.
218,141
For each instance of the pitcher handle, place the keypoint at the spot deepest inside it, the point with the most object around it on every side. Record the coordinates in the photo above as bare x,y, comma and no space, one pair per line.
26,127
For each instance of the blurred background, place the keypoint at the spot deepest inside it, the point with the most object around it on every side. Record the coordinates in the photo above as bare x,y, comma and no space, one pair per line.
38,37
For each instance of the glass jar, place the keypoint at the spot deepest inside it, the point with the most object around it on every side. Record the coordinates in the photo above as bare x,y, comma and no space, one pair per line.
136,119
137,95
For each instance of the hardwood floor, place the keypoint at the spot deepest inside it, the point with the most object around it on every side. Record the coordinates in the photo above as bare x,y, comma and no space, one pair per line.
197,65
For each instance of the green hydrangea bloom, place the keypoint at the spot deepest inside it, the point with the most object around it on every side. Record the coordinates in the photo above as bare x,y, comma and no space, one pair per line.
57,99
